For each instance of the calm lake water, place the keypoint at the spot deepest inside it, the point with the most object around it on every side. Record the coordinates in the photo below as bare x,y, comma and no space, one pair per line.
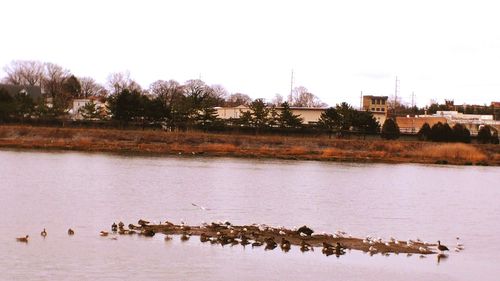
87,192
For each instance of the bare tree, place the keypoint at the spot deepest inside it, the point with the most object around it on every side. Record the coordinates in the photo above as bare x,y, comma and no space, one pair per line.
237,99
29,73
168,91
119,81
219,92
301,97
53,84
90,88
277,100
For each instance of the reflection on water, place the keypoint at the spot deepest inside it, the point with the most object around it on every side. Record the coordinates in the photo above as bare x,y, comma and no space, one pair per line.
87,192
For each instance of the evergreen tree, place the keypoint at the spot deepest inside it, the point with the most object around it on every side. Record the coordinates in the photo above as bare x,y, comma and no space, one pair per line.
494,137
424,132
274,117
90,111
259,113
460,133
329,119
7,106
365,122
484,135
390,129
287,119
25,105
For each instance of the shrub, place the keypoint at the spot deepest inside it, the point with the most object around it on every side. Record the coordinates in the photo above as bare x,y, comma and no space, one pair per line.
494,138
484,135
390,130
441,132
424,132
461,133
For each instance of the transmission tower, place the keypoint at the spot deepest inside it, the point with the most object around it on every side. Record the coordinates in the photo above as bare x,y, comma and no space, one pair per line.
396,91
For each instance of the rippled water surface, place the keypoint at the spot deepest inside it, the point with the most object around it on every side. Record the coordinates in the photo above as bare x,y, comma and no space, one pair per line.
87,192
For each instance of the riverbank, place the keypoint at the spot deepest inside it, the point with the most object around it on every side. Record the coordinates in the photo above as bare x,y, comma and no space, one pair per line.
238,145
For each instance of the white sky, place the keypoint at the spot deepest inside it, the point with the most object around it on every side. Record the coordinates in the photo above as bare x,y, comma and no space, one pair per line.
438,49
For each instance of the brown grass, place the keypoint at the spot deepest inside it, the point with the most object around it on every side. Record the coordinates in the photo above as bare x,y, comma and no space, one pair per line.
452,151
288,147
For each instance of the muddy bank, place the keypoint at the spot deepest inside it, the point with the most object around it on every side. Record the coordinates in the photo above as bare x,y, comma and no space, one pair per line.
234,145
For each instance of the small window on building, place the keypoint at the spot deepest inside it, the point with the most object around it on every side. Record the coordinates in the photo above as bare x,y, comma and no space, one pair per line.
373,101
383,101
383,109
378,101
378,109
373,108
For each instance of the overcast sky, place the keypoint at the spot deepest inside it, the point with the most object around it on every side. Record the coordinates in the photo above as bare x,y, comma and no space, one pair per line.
437,49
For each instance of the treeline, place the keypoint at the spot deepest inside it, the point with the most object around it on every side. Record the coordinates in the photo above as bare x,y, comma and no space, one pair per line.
440,132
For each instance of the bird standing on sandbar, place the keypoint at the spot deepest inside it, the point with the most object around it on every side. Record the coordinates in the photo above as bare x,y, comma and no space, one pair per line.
442,248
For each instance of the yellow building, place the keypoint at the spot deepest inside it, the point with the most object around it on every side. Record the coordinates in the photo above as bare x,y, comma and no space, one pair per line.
375,104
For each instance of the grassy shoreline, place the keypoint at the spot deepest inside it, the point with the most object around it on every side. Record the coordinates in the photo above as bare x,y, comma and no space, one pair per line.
248,146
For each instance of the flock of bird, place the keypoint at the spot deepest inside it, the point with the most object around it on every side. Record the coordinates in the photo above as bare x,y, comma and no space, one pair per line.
257,239
25,239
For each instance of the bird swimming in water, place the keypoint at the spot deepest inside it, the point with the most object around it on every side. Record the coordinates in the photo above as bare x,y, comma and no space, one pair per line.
114,227
71,232
43,233
442,248
23,239
103,233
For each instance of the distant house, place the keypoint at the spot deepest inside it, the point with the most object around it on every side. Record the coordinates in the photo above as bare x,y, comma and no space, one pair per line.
35,92
80,103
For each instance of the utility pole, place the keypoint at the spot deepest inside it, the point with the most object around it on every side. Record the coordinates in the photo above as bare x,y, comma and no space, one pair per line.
396,90
361,101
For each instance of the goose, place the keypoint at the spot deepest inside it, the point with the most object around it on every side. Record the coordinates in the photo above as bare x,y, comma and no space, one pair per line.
285,244
71,232
304,246
148,233
306,230
23,239
458,242
203,237
281,232
114,227
339,250
244,240
142,222
442,248
103,233
43,233
185,237
121,224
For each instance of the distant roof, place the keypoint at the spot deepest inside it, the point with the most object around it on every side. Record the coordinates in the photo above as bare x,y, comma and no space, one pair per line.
35,92
378,97
495,103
